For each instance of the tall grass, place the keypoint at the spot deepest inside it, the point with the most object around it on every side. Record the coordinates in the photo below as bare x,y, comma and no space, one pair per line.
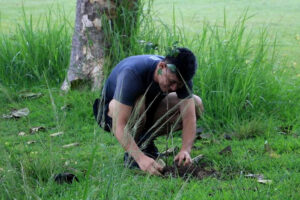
32,50
239,77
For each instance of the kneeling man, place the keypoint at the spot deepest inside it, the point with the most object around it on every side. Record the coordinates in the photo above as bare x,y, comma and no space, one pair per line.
142,97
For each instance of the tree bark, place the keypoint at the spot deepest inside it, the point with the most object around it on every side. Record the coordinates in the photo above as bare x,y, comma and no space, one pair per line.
89,42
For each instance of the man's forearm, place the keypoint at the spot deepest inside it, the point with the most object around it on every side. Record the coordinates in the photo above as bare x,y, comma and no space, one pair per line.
188,133
187,110
128,143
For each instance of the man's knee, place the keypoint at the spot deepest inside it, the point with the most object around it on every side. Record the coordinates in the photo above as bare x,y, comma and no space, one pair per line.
138,109
199,105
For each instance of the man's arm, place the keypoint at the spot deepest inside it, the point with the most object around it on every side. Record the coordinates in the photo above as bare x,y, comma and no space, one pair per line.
188,114
121,115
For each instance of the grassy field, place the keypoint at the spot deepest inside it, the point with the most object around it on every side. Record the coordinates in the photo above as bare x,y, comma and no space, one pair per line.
248,90
278,16
11,12
27,170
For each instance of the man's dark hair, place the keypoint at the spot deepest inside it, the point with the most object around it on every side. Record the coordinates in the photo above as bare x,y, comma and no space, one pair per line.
184,61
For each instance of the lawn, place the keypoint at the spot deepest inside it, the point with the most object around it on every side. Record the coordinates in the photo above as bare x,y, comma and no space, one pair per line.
27,170
248,92
278,16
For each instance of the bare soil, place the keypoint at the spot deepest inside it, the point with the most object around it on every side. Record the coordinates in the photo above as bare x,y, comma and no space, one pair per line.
193,171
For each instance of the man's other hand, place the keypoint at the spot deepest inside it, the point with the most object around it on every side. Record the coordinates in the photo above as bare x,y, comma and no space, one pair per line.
183,156
149,165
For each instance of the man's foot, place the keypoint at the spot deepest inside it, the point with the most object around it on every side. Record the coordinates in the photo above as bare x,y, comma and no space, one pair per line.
129,162
150,150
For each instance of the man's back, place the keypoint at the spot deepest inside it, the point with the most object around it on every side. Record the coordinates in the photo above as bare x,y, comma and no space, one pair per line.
131,78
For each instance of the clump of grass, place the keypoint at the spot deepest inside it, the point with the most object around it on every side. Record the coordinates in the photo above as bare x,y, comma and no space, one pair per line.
32,50
240,77
250,129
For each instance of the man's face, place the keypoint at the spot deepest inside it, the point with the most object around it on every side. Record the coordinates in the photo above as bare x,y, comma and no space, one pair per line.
168,80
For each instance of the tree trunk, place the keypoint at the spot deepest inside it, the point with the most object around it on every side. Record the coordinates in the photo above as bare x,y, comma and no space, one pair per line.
90,42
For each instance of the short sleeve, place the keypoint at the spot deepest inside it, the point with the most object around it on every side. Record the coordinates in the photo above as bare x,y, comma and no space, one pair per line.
128,87
186,91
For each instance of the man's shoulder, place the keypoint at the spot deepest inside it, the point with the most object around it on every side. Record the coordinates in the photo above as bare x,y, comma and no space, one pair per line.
140,64
144,58
155,57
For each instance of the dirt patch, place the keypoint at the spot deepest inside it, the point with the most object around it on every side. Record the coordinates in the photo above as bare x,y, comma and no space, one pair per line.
193,171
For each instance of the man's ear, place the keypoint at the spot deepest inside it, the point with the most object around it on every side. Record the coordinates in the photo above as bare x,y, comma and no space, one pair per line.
161,65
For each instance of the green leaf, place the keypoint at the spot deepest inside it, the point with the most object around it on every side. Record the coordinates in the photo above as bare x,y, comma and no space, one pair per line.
159,71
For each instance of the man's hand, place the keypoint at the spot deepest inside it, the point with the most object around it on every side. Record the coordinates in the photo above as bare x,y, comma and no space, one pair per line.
149,165
183,156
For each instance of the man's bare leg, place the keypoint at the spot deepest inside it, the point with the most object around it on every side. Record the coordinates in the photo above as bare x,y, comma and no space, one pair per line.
137,118
167,114
135,125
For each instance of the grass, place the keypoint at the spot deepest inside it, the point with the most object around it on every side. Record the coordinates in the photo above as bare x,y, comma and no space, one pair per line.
280,17
247,92
11,12
33,166
33,51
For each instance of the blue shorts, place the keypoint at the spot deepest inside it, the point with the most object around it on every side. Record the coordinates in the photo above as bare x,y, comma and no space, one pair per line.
100,110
